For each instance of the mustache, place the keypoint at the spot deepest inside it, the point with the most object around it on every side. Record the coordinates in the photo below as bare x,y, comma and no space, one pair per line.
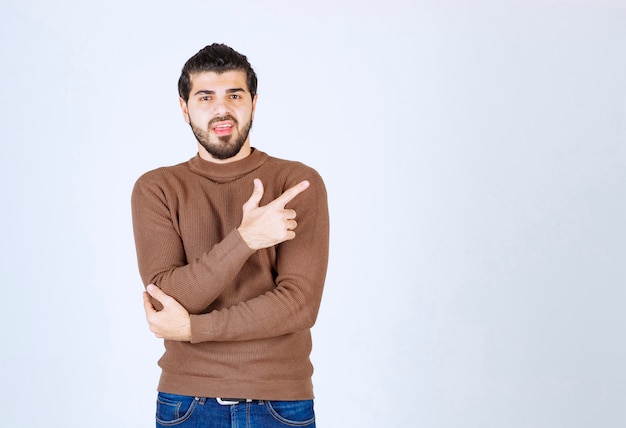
222,119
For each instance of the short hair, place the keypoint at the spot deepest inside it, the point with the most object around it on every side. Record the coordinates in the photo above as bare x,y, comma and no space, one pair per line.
218,58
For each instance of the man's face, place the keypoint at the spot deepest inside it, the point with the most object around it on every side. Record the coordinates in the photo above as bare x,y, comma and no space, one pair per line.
220,111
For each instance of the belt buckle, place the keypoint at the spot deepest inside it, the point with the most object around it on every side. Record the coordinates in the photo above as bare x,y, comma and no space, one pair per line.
232,401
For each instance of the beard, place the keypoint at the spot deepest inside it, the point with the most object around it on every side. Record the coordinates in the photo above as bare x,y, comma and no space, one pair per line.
224,147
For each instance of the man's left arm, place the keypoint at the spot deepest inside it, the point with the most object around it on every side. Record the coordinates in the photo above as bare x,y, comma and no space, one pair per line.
291,306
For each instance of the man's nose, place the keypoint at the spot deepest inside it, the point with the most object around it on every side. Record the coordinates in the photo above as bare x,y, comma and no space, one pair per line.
221,107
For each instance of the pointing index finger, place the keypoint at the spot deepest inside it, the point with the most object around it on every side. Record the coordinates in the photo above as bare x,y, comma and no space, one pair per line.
291,193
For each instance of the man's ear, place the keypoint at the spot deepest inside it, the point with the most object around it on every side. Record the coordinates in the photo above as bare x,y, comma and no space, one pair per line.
184,108
256,97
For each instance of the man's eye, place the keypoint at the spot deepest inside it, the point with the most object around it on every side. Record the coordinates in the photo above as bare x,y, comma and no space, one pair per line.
205,98
235,96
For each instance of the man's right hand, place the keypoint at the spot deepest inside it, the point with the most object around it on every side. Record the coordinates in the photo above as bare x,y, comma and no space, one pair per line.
271,224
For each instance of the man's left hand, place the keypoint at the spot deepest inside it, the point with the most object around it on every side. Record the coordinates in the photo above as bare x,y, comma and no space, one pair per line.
170,323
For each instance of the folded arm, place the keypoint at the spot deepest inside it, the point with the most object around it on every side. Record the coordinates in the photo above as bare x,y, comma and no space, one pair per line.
162,257
197,283
291,306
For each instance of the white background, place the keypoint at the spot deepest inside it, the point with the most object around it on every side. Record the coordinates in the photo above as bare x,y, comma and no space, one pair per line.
475,158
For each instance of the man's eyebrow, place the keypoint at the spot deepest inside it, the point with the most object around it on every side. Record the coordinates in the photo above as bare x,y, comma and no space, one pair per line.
210,92
204,92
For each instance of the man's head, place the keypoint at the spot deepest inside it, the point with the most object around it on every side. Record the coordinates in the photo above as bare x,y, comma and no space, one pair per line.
217,58
217,90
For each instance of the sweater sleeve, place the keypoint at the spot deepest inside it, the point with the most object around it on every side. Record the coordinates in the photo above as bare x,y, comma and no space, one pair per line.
161,254
301,270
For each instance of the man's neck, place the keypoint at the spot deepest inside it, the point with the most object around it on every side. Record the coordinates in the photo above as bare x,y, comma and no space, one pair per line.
243,153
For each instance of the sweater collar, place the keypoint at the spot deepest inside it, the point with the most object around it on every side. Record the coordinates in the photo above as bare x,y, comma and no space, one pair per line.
225,172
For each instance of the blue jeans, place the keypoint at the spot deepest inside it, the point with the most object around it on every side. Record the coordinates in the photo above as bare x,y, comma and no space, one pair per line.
197,412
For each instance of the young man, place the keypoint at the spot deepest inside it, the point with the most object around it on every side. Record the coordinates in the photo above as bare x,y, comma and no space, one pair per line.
234,281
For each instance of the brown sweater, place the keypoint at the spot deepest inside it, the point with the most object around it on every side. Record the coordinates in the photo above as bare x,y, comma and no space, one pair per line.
251,310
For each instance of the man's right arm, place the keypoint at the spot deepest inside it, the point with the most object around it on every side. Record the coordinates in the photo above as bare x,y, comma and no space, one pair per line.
161,253
196,284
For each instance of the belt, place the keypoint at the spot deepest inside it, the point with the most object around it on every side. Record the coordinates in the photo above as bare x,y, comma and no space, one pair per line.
232,401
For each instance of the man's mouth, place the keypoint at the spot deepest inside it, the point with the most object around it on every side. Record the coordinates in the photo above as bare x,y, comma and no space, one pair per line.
222,128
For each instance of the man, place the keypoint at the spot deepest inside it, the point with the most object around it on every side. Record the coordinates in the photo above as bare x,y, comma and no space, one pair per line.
233,287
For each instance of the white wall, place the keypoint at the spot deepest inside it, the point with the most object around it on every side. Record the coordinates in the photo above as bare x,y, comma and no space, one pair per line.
475,156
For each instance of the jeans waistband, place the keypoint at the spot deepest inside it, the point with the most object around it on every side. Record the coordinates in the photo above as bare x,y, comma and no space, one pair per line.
234,401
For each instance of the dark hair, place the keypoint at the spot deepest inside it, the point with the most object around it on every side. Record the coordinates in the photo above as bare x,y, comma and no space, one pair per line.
218,58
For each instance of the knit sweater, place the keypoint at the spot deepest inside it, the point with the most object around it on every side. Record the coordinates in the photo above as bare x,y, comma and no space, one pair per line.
251,311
